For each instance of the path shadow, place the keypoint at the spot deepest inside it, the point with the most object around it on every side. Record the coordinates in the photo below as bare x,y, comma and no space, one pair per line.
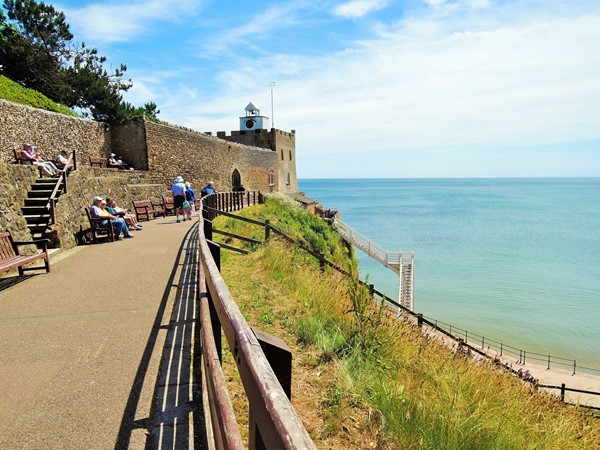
175,392
7,282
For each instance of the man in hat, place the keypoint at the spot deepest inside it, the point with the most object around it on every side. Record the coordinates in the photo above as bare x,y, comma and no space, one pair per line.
98,209
178,188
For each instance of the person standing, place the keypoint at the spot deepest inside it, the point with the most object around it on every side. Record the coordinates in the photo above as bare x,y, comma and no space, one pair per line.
190,196
178,189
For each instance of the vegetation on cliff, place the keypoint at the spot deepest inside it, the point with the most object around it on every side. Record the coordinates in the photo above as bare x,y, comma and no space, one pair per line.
38,52
365,379
14,92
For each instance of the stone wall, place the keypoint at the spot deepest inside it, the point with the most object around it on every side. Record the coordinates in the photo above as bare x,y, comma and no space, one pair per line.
14,184
163,152
51,132
200,158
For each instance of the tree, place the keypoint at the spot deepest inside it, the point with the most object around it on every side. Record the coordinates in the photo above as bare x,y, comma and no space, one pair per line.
37,51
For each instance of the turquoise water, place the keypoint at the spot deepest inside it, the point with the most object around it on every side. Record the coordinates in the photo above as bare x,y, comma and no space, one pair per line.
514,260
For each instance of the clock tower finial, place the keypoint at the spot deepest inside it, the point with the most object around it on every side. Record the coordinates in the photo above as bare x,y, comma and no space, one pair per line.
253,120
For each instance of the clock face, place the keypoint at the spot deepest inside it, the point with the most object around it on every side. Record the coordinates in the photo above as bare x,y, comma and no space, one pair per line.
249,123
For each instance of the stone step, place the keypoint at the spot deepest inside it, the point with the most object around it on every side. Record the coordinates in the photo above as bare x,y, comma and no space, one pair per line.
36,201
39,193
37,218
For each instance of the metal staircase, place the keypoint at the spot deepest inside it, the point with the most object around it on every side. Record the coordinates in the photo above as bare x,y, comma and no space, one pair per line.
400,262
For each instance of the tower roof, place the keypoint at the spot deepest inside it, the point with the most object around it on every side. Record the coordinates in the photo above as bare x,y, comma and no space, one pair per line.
251,107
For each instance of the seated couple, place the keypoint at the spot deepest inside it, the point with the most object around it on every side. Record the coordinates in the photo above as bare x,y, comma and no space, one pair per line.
98,209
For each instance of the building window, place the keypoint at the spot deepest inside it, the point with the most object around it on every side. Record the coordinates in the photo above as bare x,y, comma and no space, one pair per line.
271,178
282,154
290,155
288,179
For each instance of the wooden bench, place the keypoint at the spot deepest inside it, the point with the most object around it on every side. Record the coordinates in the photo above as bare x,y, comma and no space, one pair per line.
11,258
97,161
143,208
168,205
25,161
99,231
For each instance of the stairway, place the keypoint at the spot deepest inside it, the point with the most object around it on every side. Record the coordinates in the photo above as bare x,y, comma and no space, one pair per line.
38,209
400,262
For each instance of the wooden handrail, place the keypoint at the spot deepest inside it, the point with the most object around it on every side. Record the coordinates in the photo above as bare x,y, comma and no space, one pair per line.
277,424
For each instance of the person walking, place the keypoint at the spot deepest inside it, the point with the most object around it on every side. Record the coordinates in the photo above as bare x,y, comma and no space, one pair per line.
190,196
178,189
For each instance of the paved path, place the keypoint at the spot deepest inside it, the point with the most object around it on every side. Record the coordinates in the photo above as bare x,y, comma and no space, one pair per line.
83,346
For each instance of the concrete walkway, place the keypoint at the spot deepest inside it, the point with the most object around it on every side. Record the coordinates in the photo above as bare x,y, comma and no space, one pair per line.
97,354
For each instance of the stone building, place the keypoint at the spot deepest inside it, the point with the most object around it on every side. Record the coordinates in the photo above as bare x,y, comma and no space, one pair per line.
255,157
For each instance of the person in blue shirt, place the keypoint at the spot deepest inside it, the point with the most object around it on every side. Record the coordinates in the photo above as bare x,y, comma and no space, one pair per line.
178,188
190,196
209,189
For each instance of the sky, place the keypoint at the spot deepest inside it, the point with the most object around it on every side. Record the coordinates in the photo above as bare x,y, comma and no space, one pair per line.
373,88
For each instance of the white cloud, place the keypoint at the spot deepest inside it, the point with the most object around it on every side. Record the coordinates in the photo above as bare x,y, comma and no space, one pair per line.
115,22
423,87
358,8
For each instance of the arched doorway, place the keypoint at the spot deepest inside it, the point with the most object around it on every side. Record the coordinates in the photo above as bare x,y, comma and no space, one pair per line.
236,180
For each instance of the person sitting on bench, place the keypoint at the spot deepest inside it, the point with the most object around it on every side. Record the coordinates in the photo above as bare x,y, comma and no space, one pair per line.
98,209
34,155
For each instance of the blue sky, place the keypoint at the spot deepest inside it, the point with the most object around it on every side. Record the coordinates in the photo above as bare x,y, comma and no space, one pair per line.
373,88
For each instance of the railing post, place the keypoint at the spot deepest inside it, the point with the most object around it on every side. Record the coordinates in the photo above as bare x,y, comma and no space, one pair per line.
523,356
74,160
215,251
501,345
267,229
562,392
419,320
208,234
280,359
322,261
574,366
548,362
482,342
372,291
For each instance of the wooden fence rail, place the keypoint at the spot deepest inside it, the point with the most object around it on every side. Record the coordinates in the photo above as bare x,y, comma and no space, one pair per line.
273,423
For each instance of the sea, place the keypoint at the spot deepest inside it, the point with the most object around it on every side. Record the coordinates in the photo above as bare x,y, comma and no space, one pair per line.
515,260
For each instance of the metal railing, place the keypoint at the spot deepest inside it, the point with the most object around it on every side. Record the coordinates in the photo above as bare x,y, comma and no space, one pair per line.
403,263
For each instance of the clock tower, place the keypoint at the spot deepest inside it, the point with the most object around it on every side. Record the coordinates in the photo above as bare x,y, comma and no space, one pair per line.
253,120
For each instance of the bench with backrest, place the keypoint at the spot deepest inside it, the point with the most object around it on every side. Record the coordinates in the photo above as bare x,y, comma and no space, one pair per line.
143,209
25,161
11,258
98,231
168,205
98,161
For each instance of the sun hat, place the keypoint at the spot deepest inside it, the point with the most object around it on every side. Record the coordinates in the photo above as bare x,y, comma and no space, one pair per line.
179,180
97,198
112,154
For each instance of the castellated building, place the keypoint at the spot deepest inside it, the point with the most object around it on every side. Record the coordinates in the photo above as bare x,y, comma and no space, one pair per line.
256,157
254,132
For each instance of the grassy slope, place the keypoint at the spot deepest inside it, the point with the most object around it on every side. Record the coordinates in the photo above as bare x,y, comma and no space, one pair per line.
14,92
388,385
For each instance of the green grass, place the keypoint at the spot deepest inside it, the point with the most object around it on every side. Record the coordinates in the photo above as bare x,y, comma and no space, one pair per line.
14,92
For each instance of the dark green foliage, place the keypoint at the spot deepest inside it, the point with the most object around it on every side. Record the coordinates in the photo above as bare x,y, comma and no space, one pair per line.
37,52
